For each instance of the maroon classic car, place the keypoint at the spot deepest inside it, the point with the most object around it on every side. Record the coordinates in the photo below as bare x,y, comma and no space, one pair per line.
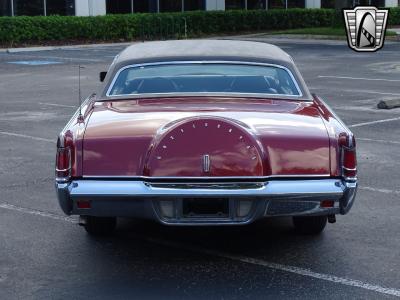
205,132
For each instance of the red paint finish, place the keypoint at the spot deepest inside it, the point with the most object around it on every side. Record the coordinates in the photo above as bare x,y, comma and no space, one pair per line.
335,131
72,137
180,150
286,137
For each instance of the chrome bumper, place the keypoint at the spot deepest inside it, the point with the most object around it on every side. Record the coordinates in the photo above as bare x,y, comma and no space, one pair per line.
124,198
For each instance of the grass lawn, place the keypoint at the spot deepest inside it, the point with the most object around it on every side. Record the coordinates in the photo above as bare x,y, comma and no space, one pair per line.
333,31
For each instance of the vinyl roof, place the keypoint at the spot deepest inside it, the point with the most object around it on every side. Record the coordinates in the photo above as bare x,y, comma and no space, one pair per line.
182,49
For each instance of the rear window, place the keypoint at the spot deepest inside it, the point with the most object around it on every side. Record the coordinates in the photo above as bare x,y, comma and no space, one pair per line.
204,78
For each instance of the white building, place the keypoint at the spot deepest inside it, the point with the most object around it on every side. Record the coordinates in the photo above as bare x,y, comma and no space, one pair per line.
102,7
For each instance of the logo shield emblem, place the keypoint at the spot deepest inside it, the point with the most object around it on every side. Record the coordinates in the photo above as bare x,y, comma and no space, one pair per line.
365,27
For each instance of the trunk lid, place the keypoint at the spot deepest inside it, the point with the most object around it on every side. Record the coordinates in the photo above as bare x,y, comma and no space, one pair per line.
174,137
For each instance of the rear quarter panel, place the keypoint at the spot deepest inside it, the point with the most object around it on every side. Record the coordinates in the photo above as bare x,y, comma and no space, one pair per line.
335,127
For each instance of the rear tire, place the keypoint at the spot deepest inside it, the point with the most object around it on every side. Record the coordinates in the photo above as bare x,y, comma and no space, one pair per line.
310,225
100,226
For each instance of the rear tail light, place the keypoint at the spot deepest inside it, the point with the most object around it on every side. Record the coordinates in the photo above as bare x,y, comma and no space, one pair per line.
327,204
83,204
349,163
348,157
63,163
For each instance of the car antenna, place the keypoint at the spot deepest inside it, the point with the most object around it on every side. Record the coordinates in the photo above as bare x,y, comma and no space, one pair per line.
80,117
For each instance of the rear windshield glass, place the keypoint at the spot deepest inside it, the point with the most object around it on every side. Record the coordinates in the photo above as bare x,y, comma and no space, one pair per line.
204,78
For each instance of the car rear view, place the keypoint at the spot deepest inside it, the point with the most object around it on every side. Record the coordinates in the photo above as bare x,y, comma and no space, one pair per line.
209,136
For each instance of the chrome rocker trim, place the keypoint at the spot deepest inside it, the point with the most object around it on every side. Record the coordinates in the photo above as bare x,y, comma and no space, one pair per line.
125,198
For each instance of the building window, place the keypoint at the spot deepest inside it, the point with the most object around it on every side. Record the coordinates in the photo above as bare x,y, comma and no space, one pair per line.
5,8
119,6
327,3
256,4
60,7
276,4
194,5
28,8
353,3
286,4
37,7
170,5
141,6
235,4
296,4
377,3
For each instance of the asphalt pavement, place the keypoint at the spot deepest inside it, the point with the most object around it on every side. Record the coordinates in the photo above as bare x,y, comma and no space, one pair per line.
45,255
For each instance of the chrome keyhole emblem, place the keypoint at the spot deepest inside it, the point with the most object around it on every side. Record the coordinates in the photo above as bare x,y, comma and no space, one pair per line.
206,163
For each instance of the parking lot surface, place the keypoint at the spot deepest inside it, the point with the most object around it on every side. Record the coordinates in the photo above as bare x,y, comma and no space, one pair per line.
44,254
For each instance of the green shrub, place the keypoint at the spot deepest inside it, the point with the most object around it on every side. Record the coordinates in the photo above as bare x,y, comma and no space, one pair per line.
30,30
394,16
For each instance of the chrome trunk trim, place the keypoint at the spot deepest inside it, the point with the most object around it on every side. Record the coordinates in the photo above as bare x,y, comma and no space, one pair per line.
205,178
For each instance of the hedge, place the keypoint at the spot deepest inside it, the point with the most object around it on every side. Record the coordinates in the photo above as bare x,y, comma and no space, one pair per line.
34,30
394,16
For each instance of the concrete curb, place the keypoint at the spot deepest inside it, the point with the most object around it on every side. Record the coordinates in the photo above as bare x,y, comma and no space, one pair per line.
396,30
311,37
389,103
254,36
48,48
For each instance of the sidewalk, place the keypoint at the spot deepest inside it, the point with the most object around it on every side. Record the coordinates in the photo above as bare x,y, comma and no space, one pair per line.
66,47
395,29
